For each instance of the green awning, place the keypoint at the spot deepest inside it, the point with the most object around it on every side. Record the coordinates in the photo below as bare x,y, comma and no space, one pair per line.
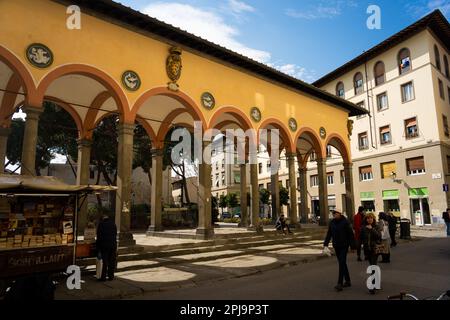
391,194
418,192
367,196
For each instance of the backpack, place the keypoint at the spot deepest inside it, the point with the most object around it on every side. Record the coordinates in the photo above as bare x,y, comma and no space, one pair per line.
385,231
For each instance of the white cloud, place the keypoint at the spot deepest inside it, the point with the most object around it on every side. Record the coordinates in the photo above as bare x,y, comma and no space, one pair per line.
424,7
205,24
325,9
297,72
213,27
239,6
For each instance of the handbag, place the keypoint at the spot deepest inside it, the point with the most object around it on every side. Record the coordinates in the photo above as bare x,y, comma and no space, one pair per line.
385,232
98,266
379,248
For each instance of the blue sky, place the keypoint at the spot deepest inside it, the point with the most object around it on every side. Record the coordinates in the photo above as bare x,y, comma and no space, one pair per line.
304,38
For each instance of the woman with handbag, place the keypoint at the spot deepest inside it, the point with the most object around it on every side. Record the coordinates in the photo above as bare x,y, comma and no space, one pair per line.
371,239
383,225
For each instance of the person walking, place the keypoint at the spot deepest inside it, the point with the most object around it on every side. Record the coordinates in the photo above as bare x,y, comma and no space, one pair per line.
281,225
383,226
371,238
107,246
392,220
341,233
357,222
446,217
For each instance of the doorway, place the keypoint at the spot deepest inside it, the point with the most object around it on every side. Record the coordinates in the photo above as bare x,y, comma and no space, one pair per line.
393,206
420,212
315,205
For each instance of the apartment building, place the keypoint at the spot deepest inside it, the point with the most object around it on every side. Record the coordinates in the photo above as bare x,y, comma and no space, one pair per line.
401,150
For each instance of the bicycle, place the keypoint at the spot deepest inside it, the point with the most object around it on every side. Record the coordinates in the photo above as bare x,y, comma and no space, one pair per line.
403,295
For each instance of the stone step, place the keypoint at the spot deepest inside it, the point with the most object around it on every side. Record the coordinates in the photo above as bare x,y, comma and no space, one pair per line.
124,266
214,246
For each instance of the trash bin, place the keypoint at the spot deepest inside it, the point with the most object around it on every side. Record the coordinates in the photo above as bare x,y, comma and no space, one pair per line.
405,229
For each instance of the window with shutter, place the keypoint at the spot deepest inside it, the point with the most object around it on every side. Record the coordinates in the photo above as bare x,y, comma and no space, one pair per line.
379,73
385,135
404,61
411,130
387,169
340,91
437,57
358,83
407,92
415,166
382,101
365,173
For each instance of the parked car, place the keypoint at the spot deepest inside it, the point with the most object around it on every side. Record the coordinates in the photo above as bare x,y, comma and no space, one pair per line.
226,215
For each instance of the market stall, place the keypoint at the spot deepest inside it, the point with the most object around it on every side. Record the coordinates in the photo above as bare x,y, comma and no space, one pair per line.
38,224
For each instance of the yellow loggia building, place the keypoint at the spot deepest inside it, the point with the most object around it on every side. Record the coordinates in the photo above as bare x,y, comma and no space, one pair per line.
123,62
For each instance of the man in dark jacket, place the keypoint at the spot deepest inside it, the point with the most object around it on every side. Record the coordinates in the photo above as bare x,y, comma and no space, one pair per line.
342,234
107,246
446,217
392,221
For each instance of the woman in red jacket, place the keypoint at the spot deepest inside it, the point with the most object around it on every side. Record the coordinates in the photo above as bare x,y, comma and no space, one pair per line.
357,223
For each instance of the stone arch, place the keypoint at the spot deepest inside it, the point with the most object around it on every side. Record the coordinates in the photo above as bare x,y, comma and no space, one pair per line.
180,96
69,109
284,133
91,72
338,142
314,140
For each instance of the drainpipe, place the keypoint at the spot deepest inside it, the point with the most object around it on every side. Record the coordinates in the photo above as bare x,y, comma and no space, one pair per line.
371,112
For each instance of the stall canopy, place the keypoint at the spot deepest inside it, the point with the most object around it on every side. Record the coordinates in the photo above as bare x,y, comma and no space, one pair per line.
17,183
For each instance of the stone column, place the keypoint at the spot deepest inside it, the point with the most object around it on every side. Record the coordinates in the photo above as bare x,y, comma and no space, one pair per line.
124,171
83,174
244,204
205,229
4,133
275,192
323,191
349,193
255,224
156,191
30,137
293,191
303,195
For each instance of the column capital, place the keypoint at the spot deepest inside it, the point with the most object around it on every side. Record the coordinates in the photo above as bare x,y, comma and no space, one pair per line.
291,155
4,132
126,128
321,162
157,153
83,142
302,170
32,112
348,165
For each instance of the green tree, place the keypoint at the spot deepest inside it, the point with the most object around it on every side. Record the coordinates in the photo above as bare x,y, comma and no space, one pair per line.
233,201
178,167
223,202
57,134
264,196
284,196
142,151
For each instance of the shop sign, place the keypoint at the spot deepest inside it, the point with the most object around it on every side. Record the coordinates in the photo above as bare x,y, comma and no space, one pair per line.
391,194
418,192
27,261
367,195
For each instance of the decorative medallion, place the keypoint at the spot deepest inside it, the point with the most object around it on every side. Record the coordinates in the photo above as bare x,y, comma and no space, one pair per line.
350,127
39,55
131,80
293,124
323,133
173,67
208,101
255,113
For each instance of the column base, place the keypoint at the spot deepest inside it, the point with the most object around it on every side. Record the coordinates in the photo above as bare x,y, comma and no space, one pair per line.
296,225
154,228
258,229
205,234
126,239
243,224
